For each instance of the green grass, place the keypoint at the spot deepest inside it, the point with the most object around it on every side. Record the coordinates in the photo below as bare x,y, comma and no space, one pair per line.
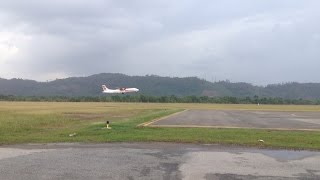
28,122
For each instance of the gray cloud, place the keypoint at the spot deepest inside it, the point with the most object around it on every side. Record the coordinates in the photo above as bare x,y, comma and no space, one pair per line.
261,42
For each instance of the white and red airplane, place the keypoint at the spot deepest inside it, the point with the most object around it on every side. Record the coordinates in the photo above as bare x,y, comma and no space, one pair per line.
119,90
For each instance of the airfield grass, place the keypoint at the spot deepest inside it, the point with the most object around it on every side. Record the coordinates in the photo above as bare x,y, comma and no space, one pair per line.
50,122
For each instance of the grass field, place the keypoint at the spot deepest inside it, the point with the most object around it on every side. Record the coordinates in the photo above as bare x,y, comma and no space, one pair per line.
45,122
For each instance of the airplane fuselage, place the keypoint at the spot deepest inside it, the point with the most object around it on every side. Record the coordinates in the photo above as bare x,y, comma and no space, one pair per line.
119,90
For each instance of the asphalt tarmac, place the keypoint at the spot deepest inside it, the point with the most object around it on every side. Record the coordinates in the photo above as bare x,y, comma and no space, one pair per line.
243,119
154,161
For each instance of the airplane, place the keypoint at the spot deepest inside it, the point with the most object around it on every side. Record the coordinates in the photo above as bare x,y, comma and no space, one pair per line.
119,90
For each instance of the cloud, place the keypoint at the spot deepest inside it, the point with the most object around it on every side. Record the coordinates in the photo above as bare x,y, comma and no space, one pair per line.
7,47
258,42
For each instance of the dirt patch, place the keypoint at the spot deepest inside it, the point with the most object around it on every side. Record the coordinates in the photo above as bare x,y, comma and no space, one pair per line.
84,116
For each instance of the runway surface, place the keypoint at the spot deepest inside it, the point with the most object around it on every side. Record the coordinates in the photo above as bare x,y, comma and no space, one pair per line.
243,119
154,161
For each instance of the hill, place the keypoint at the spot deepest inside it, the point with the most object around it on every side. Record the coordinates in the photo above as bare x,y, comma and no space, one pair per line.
156,86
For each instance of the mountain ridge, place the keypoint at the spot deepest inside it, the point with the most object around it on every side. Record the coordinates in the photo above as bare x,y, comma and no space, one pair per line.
156,86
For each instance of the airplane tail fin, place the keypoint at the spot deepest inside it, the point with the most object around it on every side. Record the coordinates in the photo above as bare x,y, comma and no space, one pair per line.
104,87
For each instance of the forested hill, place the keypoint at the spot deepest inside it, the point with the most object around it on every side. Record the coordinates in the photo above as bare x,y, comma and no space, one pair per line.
155,86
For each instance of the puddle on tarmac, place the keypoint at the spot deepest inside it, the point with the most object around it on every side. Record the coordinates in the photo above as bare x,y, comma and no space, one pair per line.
287,155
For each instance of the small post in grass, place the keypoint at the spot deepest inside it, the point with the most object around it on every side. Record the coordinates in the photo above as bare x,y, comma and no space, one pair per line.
107,124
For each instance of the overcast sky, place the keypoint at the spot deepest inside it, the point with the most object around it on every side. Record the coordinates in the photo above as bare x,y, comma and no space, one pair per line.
255,41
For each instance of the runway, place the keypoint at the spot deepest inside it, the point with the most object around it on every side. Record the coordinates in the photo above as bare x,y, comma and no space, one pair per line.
154,161
243,119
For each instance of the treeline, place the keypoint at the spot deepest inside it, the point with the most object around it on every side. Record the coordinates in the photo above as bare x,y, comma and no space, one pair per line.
162,99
